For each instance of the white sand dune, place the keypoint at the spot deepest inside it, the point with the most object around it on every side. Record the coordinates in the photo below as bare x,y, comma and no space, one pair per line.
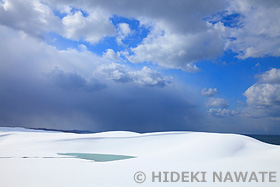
30,158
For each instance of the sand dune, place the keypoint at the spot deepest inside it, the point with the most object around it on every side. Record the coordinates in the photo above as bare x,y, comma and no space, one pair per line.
39,158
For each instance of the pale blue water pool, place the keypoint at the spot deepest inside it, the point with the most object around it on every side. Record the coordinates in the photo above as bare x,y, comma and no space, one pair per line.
97,157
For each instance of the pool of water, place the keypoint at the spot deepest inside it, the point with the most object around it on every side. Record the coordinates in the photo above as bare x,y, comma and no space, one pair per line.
97,157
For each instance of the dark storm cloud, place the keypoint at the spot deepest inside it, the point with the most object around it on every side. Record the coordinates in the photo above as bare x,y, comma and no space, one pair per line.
59,89
74,82
135,108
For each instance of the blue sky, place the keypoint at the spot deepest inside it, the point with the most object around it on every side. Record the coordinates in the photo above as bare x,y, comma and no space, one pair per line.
141,65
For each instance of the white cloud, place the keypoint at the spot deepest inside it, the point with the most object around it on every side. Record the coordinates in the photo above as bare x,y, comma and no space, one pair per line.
271,76
36,18
172,50
179,16
112,55
123,30
149,77
91,28
257,33
266,92
178,39
210,92
114,71
263,94
222,112
32,17
191,68
239,102
82,47
145,76
217,102
263,98
220,103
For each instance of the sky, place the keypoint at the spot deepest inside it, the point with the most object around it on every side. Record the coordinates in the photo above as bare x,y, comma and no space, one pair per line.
143,66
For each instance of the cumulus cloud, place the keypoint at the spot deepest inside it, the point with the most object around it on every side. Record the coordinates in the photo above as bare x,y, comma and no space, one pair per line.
180,43
217,102
177,38
149,77
222,112
263,94
176,15
263,98
220,104
191,68
210,92
173,43
254,28
271,76
112,55
266,92
177,50
91,28
145,76
180,35
114,71
38,17
123,30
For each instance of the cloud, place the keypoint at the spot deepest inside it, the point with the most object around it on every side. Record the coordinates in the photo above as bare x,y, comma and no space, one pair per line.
74,82
191,68
222,112
263,98
116,72
112,55
123,31
263,94
145,76
149,77
271,76
245,34
180,33
171,50
220,103
176,15
178,37
210,92
217,102
266,92
91,28
34,93
38,17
